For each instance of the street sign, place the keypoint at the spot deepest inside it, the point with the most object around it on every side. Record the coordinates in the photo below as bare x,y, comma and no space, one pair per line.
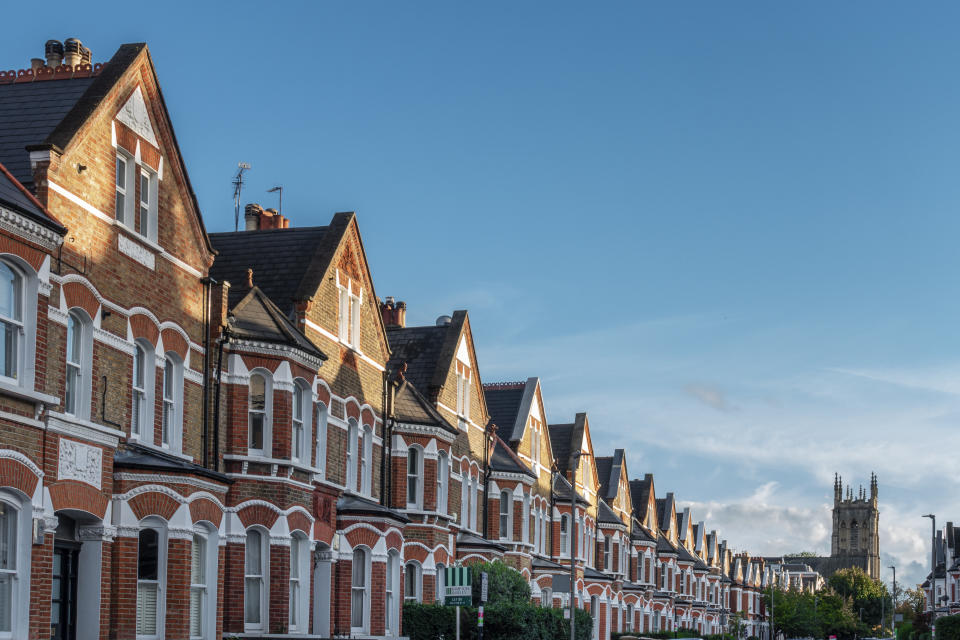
483,593
459,589
480,617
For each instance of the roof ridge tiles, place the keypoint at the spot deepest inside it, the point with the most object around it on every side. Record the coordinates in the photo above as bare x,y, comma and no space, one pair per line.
505,385
43,74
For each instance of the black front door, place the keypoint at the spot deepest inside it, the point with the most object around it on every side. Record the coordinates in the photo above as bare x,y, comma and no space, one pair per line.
63,612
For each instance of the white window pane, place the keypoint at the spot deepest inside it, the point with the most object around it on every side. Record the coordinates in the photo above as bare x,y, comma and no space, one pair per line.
196,612
251,599
147,609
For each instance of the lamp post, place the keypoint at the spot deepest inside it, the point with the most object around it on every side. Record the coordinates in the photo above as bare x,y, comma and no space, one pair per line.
893,619
933,565
573,541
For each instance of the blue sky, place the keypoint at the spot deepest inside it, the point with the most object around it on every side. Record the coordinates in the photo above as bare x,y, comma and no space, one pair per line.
725,230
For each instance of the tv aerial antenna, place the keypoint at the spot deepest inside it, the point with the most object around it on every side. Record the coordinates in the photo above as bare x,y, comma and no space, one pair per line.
237,188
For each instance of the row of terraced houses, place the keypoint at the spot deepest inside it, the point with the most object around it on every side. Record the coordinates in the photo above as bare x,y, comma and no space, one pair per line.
209,434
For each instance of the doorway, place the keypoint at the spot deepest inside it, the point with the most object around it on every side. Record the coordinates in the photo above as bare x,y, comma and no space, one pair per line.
63,611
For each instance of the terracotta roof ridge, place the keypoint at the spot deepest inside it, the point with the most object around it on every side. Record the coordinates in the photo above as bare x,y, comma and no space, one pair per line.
505,385
43,74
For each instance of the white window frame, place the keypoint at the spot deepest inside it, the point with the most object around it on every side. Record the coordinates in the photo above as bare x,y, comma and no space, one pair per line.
505,519
141,404
391,603
465,499
565,535
366,461
79,371
474,503
299,592
443,482
14,324
464,377
413,571
20,557
441,582
158,525
262,575
353,446
266,450
322,421
350,303
171,416
303,405
415,477
127,190
363,589
208,533
525,524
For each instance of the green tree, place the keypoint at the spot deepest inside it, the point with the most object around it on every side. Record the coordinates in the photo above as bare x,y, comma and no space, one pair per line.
866,593
504,584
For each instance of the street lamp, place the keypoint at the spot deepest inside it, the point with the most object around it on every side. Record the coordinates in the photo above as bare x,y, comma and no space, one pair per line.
933,564
573,541
893,622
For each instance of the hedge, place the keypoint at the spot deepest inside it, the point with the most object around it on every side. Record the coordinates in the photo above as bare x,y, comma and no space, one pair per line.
948,628
504,620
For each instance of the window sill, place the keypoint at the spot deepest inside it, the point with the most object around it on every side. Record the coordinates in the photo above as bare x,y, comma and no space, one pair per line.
150,244
28,394
165,450
277,461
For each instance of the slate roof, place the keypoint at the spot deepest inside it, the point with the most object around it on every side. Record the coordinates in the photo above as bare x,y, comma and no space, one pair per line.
14,196
503,405
593,574
353,505
420,349
606,514
504,459
563,491
29,112
411,407
286,263
665,546
257,318
547,565
469,541
134,456
640,495
640,533
608,470
560,437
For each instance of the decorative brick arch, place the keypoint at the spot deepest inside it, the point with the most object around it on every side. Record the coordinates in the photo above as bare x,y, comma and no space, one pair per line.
323,394
173,341
299,521
18,475
440,555
28,254
415,552
260,362
76,294
204,509
70,494
257,514
143,327
153,503
363,536
353,410
367,417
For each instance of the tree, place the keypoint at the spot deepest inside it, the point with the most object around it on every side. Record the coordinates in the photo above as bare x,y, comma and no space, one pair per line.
504,584
866,593
802,554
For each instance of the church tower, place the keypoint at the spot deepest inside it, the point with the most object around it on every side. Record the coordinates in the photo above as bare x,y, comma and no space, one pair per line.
856,520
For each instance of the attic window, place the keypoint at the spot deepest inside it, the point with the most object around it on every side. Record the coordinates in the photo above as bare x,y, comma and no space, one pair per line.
535,438
125,189
351,298
463,390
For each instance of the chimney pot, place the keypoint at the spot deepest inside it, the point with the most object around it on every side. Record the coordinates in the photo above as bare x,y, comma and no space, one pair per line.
444,321
249,278
251,217
394,313
72,52
389,301
86,56
53,50
36,64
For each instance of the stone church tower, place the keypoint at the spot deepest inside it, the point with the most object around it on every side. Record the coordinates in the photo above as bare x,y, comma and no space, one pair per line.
856,520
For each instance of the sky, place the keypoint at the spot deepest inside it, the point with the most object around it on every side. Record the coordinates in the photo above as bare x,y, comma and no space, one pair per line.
726,231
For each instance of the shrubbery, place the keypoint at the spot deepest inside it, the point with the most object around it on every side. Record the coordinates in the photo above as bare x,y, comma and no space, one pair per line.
948,628
517,621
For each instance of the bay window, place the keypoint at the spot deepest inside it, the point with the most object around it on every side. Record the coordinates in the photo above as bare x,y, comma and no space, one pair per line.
258,411
505,504
300,425
443,481
171,422
565,534
414,470
299,585
412,580
151,569
254,581
11,321
360,591
79,347
392,581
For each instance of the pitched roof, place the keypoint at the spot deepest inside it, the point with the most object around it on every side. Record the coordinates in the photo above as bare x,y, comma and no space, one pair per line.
560,436
563,491
504,459
256,317
503,404
29,112
284,262
608,469
14,196
411,407
664,545
349,504
640,533
606,514
640,495
419,348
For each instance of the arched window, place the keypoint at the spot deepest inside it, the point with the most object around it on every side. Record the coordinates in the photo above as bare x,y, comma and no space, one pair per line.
854,536
525,521
203,583
141,413
353,435
299,582
171,423
321,463
629,618
441,583
254,581
79,338
151,576
300,425
258,408
443,481
15,529
474,502
366,461
11,321
565,534
392,580
412,582
414,471
465,498
606,552
505,503
360,591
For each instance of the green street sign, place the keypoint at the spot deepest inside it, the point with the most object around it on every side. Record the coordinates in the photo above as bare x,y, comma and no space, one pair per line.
459,587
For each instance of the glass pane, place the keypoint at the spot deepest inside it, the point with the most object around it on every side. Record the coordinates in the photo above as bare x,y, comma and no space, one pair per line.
256,431
8,537
144,189
413,462
121,173
9,345
168,370
197,564
359,569
411,489
294,559
298,403
119,206
251,599
356,607
6,602
74,329
135,418
148,554
9,292
258,397
254,562
139,357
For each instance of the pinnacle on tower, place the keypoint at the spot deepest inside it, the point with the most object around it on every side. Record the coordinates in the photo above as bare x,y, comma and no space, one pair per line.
873,486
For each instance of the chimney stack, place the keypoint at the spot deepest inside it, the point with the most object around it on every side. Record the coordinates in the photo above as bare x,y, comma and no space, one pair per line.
257,218
251,217
53,50
394,313
72,52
